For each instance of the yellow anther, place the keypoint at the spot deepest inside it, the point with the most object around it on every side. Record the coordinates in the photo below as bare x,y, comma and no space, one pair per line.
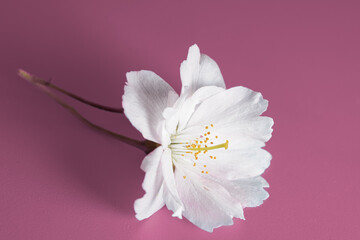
206,146
216,136
208,133
184,177
206,127
214,157
211,157
204,165
212,125
207,172
202,171
205,134
211,143
194,164
182,154
201,142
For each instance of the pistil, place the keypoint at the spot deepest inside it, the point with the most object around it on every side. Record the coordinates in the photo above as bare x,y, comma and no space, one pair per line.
223,145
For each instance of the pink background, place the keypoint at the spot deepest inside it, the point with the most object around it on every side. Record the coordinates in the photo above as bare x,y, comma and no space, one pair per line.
61,180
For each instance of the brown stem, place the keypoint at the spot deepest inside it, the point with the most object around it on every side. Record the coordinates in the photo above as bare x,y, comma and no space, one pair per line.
147,146
37,80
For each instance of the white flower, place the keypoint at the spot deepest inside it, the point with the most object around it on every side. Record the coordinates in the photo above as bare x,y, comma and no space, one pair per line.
208,166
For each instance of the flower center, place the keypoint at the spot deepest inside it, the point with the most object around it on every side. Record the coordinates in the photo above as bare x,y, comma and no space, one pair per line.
191,148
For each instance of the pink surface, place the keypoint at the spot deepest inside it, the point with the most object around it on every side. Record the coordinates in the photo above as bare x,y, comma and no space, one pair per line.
61,180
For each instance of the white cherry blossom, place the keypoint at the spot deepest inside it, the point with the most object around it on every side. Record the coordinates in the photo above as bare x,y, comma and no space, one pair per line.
208,165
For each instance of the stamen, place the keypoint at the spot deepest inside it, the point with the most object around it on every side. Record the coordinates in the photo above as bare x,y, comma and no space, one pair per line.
198,145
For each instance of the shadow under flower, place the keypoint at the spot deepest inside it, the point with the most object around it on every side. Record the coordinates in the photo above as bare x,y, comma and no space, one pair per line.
107,169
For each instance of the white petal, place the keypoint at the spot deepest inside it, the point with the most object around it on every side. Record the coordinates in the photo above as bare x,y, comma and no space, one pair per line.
192,102
249,191
229,106
207,204
235,164
171,116
145,98
152,200
198,71
171,196
176,117
246,133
